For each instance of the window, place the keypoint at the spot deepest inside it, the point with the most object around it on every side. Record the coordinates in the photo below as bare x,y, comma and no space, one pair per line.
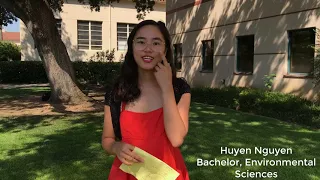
301,53
58,25
123,31
245,54
207,55
89,35
178,56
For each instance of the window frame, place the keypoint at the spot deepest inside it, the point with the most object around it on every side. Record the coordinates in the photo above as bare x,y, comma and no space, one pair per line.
90,30
176,57
128,25
237,53
289,52
204,69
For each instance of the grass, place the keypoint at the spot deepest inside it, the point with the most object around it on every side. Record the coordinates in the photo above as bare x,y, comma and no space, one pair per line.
68,147
15,93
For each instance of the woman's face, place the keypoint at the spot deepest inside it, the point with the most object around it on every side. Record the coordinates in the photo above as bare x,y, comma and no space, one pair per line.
147,45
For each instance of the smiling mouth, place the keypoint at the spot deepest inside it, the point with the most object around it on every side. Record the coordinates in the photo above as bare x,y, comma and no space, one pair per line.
147,59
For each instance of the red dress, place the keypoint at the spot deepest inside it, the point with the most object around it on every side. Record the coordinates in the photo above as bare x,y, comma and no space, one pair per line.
146,131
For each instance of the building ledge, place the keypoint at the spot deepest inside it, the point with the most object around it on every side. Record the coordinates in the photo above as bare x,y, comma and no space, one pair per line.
243,73
298,76
206,71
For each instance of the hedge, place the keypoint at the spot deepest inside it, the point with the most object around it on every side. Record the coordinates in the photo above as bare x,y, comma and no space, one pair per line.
277,105
33,72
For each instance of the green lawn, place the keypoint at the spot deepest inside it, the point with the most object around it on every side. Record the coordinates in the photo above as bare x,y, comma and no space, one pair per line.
68,147
15,93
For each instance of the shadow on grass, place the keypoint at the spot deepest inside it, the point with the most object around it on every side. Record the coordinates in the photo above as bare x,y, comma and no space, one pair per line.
68,147
16,93
18,124
213,127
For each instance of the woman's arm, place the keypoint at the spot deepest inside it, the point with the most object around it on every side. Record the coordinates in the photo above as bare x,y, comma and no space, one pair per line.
176,117
108,137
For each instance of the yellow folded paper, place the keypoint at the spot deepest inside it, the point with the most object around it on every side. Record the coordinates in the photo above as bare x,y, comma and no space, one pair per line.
151,169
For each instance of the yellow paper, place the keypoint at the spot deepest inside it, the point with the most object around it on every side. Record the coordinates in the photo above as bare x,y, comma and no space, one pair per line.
151,169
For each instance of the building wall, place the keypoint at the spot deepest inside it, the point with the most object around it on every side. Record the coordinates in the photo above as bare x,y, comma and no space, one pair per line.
190,22
13,37
123,12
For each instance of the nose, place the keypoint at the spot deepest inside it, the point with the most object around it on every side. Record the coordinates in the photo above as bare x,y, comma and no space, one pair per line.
148,48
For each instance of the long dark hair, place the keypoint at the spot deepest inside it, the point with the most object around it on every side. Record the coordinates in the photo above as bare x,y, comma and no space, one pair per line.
126,86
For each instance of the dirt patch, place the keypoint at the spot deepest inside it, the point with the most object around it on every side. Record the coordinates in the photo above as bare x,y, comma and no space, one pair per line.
33,105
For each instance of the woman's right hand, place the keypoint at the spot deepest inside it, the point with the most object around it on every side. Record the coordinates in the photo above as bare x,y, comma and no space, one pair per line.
125,153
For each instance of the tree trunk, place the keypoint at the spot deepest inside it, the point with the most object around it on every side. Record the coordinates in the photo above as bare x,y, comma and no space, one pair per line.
40,21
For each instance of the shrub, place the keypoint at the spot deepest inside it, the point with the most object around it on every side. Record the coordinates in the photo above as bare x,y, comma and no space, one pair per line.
103,56
285,107
9,51
101,73
22,72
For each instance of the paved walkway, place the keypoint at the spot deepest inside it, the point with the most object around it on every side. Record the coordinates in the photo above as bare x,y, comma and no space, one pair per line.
10,86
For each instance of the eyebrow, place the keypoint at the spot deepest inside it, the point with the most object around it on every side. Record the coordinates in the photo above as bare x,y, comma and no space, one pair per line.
156,38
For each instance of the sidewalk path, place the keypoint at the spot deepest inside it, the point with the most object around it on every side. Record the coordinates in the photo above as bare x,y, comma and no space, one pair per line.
10,86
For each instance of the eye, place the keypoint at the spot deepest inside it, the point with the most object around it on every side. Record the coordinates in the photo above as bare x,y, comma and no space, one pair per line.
140,42
156,43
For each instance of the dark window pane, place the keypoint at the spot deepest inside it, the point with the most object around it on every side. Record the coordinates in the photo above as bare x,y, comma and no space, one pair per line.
96,33
83,47
95,23
96,47
122,25
122,39
245,53
83,23
83,37
122,35
122,28
301,51
96,42
96,37
86,33
82,42
81,27
207,62
131,26
96,28
178,56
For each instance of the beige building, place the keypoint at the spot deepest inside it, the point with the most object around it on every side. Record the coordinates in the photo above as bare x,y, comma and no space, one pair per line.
86,32
233,42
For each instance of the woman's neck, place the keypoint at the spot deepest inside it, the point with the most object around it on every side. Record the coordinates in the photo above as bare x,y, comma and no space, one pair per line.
146,77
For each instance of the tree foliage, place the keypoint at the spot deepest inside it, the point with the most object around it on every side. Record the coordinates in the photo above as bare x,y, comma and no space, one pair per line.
9,51
143,7
6,17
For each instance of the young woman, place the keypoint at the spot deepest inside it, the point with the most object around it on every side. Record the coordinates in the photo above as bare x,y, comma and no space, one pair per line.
148,106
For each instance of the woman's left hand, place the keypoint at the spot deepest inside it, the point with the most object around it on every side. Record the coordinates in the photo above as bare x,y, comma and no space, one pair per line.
163,74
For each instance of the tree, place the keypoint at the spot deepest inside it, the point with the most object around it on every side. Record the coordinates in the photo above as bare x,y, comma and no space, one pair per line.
39,19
